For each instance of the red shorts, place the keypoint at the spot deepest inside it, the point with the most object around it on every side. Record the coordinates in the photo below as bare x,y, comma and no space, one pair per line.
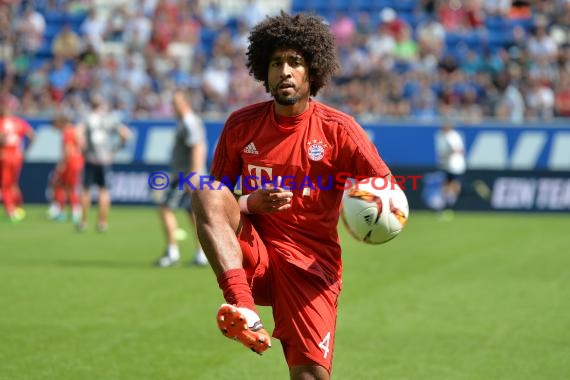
71,174
304,305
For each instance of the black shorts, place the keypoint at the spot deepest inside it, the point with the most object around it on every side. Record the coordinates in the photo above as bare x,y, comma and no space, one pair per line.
176,198
449,177
97,174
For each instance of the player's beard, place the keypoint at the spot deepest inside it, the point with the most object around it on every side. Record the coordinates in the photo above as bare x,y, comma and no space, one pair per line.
286,100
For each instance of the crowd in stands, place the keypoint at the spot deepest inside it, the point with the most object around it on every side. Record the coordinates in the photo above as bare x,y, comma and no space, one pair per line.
426,59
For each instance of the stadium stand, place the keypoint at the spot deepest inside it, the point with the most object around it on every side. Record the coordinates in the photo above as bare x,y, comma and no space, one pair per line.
472,58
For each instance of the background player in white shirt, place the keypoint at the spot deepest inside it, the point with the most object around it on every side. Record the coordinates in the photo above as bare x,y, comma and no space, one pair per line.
98,130
451,154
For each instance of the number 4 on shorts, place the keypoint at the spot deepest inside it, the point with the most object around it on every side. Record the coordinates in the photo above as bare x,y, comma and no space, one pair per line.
324,345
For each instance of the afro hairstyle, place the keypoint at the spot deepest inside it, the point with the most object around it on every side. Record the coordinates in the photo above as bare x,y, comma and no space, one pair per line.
306,33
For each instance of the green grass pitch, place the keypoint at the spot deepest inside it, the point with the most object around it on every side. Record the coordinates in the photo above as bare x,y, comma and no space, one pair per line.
486,296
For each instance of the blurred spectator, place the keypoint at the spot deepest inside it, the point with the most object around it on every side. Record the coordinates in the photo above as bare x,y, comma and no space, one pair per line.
200,45
134,74
499,8
471,110
380,46
428,6
424,100
560,28
520,10
240,39
6,35
363,28
116,23
216,81
510,105
452,15
252,13
146,7
213,16
66,43
474,14
59,78
406,49
431,37
37,81
540,99
343,28
354,61
562,95
394,24
138,31
30,28
396,104
93,29
540,44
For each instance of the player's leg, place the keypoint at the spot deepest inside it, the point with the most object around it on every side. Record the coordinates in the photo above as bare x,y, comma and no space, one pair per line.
75,202
170,225
73,181
200,258
305,310
9,184
6,187
218,222
57,207
104,208
88,179
17,195
102,180
445,213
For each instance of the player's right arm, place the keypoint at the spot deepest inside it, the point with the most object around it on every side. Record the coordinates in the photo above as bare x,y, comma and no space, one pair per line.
267,201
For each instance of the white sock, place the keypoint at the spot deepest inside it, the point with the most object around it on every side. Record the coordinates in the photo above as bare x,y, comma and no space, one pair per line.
173,252
200,257
76,212
54,210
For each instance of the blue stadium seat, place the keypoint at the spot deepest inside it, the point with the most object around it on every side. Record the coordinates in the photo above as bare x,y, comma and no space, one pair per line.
378,5
496,23
363,5
53,17
404,6
298,6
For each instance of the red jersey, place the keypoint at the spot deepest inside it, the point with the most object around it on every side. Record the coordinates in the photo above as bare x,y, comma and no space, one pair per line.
313,153
12,132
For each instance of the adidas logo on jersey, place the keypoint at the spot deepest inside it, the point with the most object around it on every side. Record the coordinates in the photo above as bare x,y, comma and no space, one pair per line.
250,148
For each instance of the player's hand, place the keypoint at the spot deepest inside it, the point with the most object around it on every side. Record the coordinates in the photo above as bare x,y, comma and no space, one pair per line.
269,200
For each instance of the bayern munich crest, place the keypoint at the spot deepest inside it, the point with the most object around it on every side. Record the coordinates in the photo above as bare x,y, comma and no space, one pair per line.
316,149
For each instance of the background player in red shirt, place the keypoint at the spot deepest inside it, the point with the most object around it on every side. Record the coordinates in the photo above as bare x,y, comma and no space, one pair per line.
278,245
13,131
67,173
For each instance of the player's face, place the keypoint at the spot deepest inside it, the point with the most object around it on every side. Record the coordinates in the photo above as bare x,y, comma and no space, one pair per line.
288,77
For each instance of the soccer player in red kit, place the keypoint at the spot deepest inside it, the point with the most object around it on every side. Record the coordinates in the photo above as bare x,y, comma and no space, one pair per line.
68,170
277,244
13,131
